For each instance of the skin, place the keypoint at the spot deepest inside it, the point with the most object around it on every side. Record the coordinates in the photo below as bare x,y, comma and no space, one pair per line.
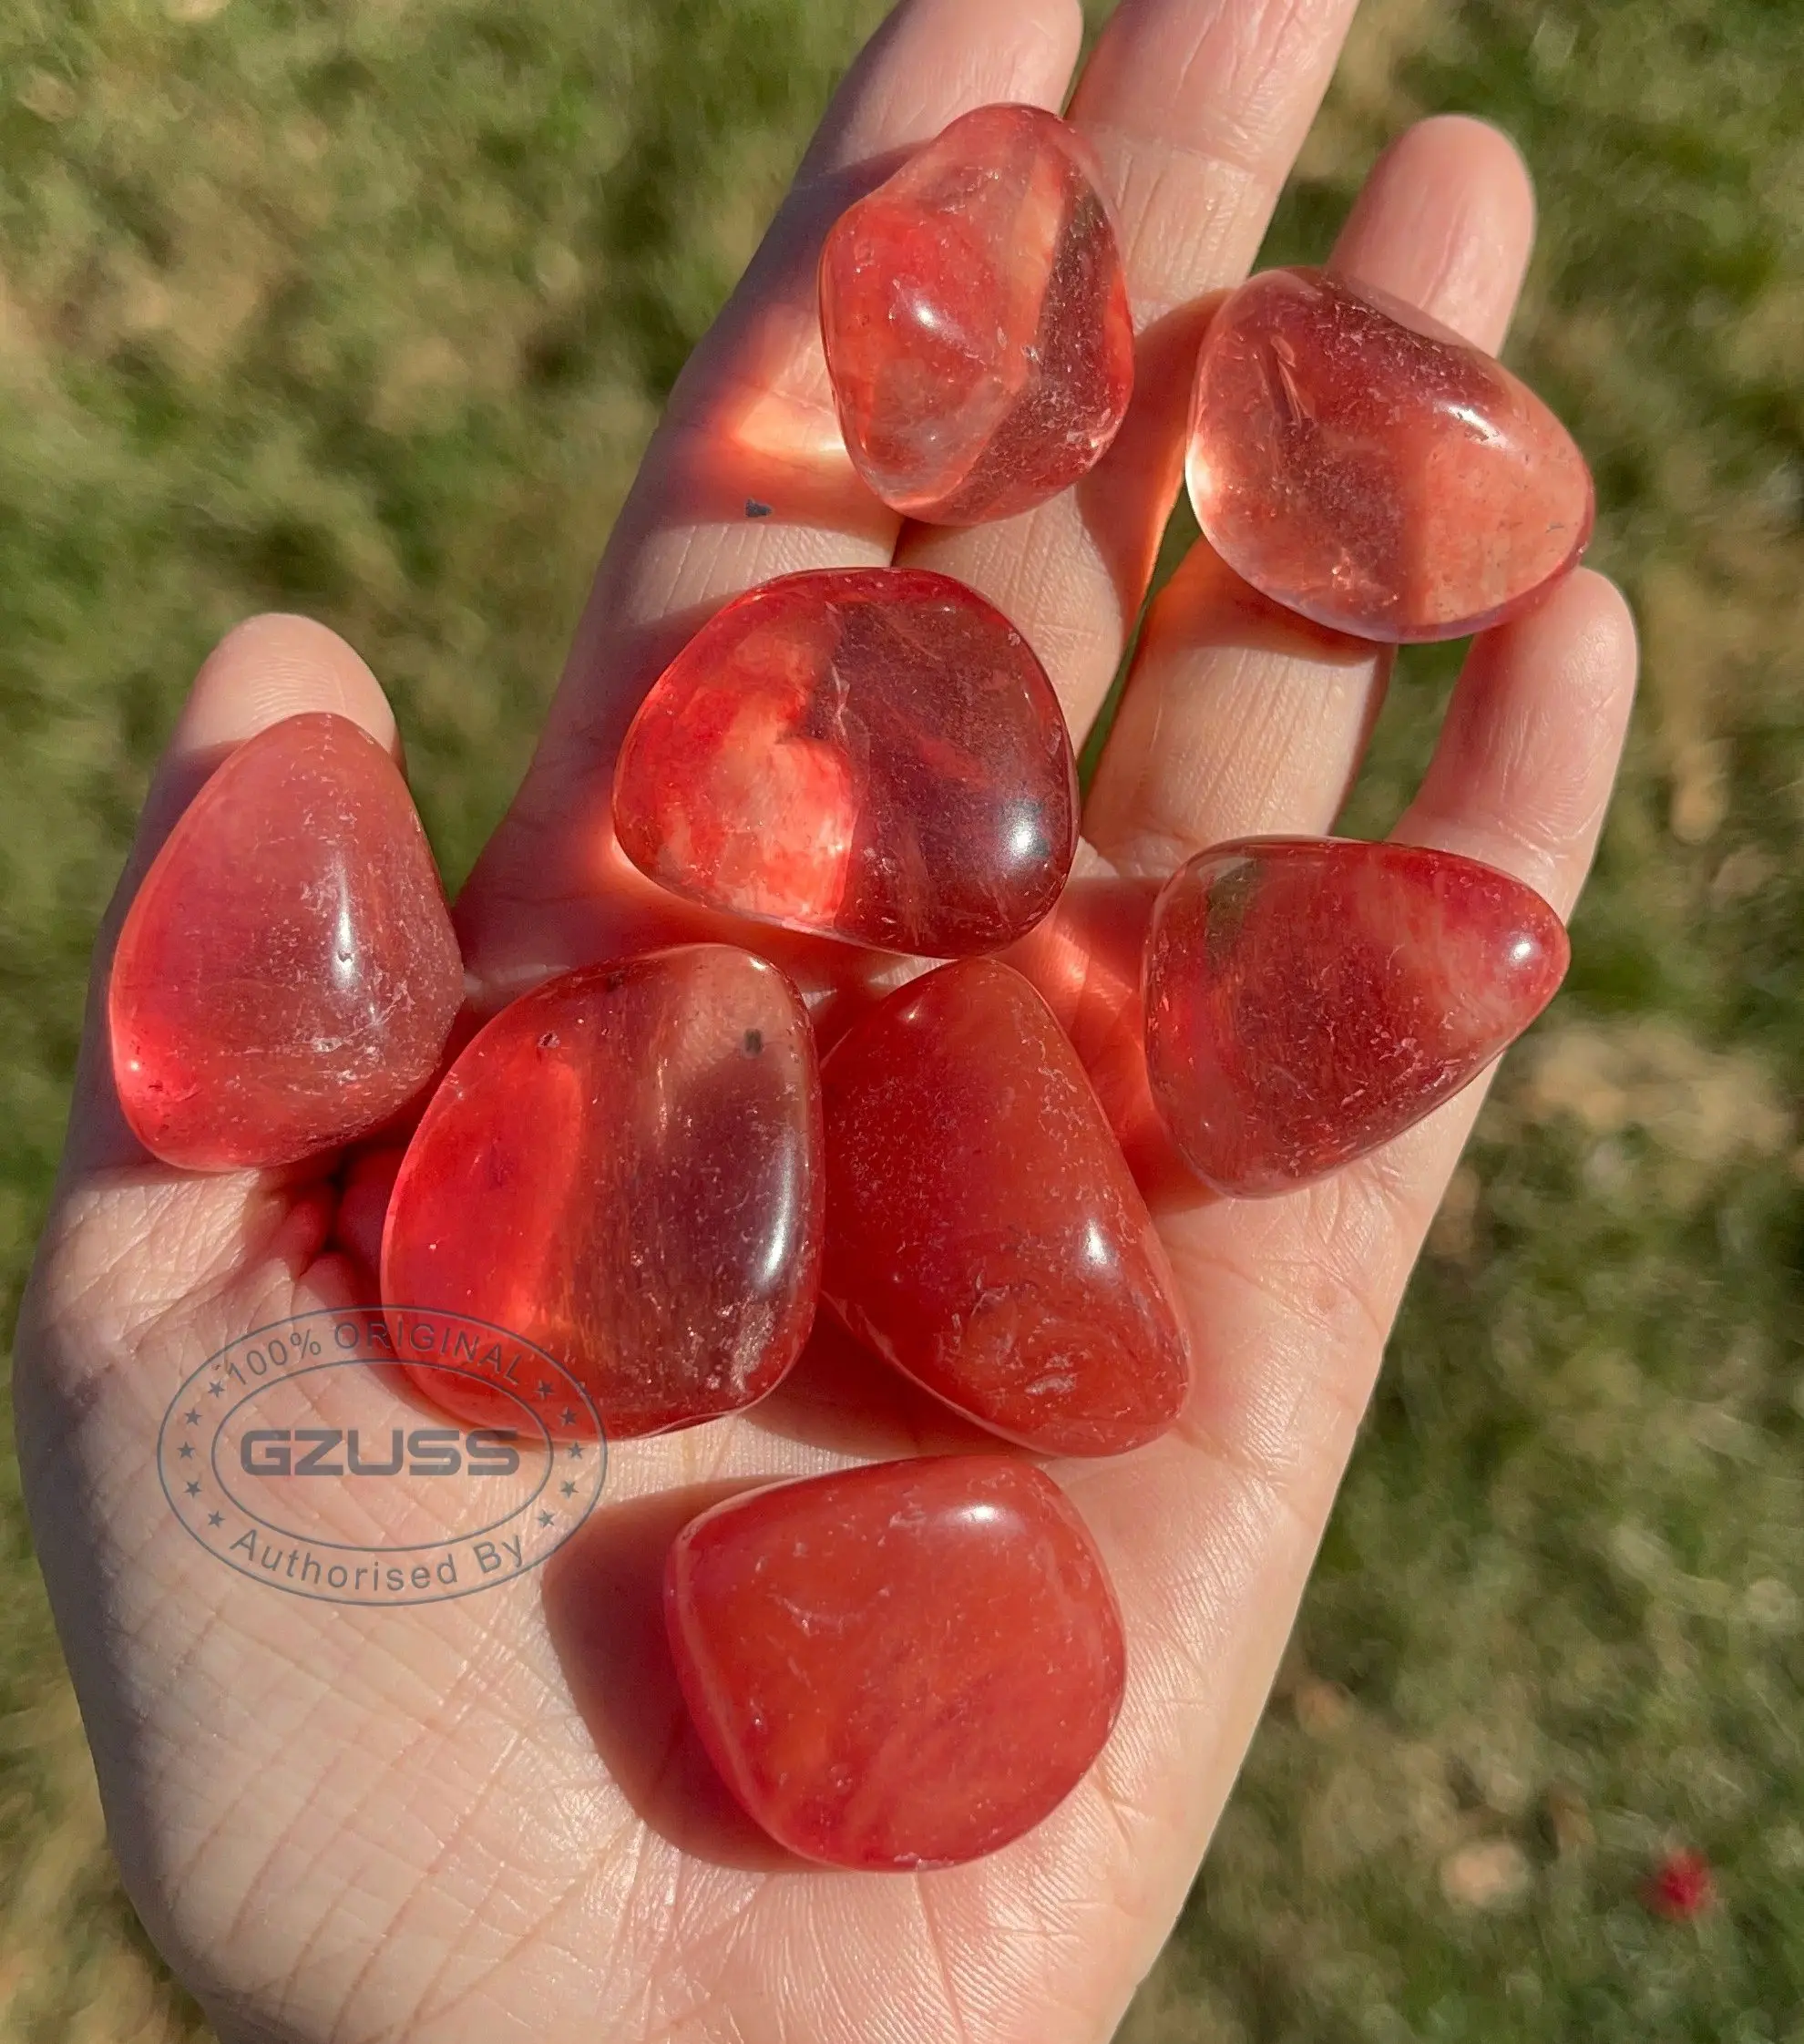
484,1819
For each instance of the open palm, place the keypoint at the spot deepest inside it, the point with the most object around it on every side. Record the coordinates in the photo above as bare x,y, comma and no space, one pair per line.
486,1819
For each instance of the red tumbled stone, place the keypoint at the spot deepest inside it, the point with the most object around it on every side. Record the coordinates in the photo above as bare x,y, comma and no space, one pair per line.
902,1666
975,314
623,1167
287,975
1361,464
1308,999
872,753
984,1233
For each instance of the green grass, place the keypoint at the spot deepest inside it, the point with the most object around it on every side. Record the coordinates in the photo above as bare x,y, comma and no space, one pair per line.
367,309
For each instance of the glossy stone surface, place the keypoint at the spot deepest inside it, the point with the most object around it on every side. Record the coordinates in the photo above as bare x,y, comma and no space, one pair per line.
902,1666
623,1166
287,975
984,1233
872,752
974,314
1308,999
1363,465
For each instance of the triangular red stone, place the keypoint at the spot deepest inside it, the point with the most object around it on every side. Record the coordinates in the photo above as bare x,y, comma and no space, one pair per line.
1308,999
984,1233
287,974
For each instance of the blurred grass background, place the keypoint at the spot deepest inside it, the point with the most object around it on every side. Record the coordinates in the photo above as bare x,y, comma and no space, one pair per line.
365,307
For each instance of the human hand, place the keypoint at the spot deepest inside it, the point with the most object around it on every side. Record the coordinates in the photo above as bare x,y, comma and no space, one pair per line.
487,1817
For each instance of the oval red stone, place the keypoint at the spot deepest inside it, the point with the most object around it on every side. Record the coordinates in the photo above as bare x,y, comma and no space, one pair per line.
974,314
287,974
623,1167
984,1233
901,1665
1310,999
1361,464
870,753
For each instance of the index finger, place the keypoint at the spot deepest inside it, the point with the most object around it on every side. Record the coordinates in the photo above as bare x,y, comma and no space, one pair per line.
747,477
1195,110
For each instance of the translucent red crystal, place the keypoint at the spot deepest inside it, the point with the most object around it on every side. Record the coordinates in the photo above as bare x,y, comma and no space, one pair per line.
902,1666
1360,463
287,974
874,753
984,1233
975,314
1310,999
623,1167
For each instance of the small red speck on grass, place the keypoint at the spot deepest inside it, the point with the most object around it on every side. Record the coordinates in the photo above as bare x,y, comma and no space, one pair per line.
1681,1887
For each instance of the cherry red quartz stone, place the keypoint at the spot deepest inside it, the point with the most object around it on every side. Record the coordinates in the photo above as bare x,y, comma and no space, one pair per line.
1308,999
872,753
1361,464
287,975
623,1167
974,314
984,1233
902,1666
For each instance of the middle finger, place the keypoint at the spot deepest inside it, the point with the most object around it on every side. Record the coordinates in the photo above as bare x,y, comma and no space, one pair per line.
1196,110
1241,718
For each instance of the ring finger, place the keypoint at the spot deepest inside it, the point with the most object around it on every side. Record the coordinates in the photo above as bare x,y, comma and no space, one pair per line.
1241,717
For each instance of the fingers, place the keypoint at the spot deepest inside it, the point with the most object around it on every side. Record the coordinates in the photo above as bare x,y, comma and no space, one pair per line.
1520,778
1522,771
1195,112
1210,1533
265,670
1240,717
1310,1283
1445,221
747,477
